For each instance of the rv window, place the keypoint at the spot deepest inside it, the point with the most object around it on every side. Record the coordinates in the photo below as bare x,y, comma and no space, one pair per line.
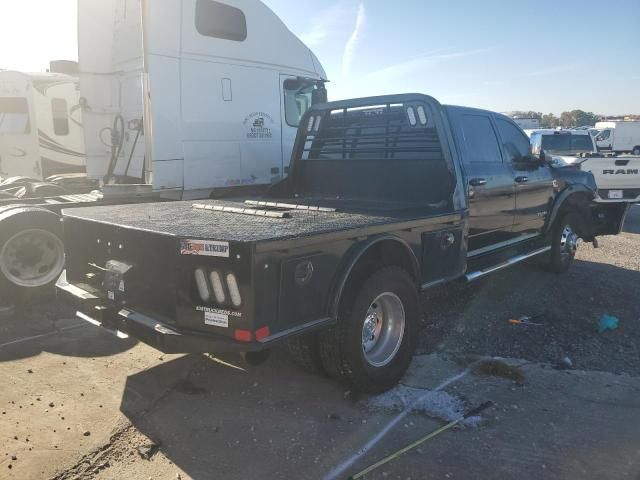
60,116
215,19
14,116
298,97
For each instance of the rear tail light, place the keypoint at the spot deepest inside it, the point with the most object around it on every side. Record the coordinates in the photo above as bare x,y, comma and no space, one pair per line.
202,285
243,335
234,291
218,289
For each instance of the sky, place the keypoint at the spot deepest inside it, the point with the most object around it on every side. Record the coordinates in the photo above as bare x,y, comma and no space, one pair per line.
504,55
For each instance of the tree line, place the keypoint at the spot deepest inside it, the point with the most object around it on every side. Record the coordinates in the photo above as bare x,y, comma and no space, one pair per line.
574,118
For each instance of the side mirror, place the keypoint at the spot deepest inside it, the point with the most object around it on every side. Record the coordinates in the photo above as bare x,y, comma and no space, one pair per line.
542,157
319,95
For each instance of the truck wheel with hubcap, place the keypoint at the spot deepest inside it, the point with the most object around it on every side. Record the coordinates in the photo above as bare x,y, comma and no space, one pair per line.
31,251
636,150
374,340
564,244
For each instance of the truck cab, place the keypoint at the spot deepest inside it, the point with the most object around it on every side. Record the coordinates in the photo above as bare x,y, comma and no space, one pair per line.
191,98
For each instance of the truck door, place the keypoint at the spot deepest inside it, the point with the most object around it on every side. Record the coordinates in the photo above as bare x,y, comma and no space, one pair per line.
533,182
490,187
604,140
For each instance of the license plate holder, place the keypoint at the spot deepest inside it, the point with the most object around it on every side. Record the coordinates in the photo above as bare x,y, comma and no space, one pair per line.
615,194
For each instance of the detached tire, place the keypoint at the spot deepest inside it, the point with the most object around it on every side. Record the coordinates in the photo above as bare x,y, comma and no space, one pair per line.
564,244
374,340
31,252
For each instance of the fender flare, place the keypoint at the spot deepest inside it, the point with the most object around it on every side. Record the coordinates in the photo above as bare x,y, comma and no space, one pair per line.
353,256
562,197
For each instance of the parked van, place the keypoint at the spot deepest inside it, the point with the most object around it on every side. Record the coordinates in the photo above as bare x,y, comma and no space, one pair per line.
619,136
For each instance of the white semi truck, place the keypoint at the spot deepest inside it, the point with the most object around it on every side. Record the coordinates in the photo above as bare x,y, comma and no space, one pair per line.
619,136
180,99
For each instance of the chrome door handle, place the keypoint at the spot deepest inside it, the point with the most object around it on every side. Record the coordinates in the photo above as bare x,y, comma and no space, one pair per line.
476,182
522,179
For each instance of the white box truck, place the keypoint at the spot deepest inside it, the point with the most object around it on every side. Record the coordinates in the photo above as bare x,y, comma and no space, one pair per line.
619,136
181,99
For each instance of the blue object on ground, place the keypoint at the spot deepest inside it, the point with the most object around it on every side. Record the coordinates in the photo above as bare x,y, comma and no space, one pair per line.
607,322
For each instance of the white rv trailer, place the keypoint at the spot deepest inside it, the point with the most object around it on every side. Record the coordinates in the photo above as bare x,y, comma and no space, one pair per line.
619,136
40,125
184,98
205,94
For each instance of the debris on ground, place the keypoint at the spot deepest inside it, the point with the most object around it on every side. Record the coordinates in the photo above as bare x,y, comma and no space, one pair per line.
434,403
526,321
607,322
565,363
148,450
498,368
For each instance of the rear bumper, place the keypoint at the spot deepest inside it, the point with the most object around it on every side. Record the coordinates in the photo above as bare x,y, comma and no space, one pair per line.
125,322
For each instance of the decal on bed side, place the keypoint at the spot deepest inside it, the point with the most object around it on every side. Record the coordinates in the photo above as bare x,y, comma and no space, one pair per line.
208,248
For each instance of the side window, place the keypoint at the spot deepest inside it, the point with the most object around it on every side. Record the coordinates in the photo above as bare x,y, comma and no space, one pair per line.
217,20
604,135
14,116
297,100
60,116
480,139
515,142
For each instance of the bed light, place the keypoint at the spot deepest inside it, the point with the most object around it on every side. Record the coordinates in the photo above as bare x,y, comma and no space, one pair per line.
218,289
234,291
201,284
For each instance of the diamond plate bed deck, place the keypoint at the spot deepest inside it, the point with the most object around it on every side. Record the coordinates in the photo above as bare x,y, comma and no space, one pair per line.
184,220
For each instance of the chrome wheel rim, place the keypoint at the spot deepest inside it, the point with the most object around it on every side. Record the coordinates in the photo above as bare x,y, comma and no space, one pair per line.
568,242
383,329
32,258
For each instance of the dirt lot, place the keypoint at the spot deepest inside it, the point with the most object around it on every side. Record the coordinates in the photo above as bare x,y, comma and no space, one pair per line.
79,403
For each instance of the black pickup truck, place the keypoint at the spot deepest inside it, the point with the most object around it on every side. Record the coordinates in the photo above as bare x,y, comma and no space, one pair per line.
386,196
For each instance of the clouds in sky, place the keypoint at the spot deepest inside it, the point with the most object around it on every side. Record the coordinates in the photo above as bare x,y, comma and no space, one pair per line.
422,63
352,43
343,23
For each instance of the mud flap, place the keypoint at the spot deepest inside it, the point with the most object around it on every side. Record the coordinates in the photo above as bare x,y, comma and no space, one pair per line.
608,218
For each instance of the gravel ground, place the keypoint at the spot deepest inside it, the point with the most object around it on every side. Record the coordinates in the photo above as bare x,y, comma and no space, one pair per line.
473,319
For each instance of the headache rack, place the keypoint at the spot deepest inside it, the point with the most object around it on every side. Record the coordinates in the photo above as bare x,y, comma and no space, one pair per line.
391,131
381,148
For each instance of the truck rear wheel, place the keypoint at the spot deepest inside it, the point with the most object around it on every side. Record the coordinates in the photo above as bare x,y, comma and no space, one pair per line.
31,251
373,342
564,244
636,150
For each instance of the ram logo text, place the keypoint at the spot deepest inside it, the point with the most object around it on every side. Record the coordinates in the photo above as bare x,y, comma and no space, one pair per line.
629,171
